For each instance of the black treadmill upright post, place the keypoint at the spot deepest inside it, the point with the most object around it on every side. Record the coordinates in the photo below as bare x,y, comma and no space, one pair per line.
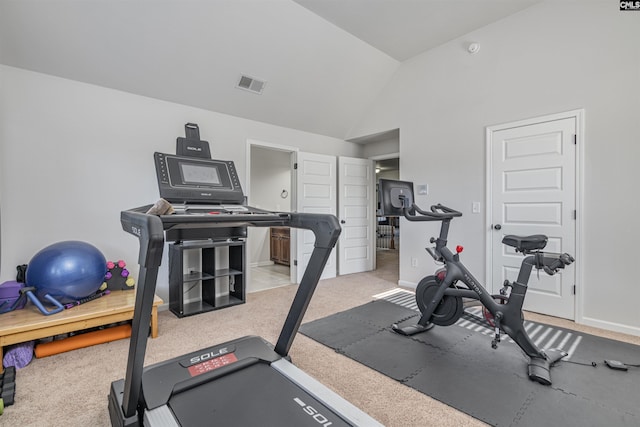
148,229
150,232
326,229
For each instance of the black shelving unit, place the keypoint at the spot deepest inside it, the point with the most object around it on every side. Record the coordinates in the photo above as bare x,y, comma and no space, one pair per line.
220,276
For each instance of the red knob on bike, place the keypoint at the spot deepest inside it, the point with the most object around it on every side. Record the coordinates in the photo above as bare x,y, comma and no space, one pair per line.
459,249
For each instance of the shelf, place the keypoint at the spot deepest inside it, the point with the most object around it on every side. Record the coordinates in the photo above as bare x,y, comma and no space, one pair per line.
215,279
195,276
197,307
227,272
203,244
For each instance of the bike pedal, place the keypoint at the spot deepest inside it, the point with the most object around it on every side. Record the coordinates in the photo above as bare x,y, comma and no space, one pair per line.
496,339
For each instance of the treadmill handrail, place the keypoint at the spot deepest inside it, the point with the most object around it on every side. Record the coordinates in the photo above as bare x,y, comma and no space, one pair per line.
149,229
150,233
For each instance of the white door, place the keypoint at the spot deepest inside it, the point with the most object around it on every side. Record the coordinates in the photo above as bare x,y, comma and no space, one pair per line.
316,193
356,215
533,191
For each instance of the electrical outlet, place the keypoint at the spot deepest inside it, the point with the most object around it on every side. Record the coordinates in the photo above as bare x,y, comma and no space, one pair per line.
414,262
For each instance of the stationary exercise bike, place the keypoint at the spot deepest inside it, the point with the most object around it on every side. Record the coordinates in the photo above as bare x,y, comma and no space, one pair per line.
440,296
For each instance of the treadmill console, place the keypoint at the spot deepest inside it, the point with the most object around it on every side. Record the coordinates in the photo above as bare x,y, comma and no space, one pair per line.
185,179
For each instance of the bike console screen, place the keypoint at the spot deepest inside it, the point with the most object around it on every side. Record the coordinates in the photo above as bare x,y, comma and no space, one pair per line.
394,195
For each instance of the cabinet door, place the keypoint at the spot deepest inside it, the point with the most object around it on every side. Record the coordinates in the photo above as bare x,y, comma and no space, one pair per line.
274,246
285,249
284,246
279,244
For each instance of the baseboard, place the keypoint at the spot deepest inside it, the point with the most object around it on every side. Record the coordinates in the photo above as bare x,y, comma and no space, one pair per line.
407,285
611,326
261,264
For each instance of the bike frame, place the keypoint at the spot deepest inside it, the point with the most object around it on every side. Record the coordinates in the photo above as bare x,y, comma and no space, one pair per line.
509,315
398,200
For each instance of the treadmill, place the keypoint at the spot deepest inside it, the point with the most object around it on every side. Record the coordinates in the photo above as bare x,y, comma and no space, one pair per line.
244,382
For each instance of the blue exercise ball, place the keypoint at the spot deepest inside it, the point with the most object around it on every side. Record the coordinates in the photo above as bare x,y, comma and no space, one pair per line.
67,271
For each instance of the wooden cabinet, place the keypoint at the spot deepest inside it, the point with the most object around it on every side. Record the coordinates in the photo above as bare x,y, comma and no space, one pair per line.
205,275
280,245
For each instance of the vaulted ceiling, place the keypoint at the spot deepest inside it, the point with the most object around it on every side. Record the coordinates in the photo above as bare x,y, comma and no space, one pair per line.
323,61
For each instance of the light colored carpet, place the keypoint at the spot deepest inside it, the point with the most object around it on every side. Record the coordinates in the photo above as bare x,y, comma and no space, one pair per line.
71,389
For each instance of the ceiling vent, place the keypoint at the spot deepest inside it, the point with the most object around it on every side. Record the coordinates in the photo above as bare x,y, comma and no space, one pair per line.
251,84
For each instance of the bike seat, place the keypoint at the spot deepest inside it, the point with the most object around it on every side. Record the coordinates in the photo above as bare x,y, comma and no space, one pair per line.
526,243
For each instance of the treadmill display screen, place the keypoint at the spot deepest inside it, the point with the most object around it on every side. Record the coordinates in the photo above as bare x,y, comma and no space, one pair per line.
196,174
183,179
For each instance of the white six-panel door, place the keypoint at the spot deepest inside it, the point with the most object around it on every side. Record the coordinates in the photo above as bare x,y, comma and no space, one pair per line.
533,191
356,214
316,193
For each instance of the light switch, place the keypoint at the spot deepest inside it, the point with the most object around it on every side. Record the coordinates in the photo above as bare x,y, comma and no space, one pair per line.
475,207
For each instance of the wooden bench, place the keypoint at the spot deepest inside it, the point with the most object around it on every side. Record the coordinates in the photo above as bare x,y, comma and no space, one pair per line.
30,324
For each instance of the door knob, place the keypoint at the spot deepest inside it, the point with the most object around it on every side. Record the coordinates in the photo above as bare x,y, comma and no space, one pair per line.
497,226
342,221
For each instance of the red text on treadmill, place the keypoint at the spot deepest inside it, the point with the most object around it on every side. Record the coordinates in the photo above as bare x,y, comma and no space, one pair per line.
212,364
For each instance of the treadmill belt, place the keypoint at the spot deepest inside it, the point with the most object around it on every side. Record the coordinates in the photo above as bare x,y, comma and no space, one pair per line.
256,395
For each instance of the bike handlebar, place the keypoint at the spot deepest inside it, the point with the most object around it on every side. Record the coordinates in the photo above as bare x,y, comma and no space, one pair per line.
438,213
557,264
550,265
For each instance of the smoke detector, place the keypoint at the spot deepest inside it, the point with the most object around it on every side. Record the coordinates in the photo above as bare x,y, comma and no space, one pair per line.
251,84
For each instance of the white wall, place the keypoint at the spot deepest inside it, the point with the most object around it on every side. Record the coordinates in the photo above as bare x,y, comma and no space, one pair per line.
381,148
75,155
554,57
388,174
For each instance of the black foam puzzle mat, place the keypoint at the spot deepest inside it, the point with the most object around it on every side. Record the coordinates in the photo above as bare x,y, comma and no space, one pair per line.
457,366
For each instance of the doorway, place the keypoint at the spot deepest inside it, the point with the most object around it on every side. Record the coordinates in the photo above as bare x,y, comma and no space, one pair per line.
283,178
387,228
384,149
270,188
